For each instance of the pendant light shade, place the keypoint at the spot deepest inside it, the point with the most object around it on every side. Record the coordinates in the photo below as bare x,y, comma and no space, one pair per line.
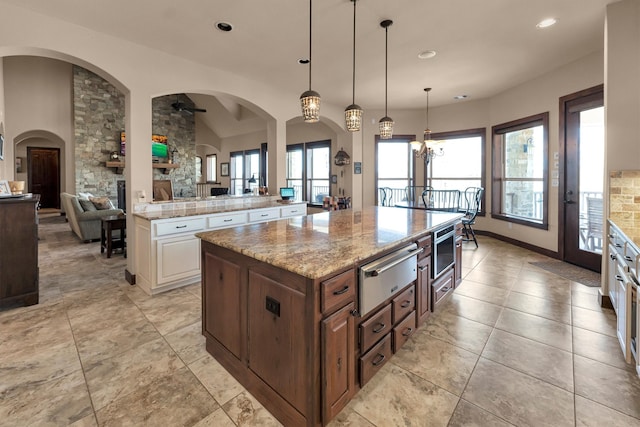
342,158
353,113
386,123
427,148
310,99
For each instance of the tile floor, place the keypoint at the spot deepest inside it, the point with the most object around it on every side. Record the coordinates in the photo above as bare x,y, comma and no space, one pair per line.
515,345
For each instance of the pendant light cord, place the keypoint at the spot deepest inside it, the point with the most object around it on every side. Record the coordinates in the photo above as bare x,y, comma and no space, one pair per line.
353,96
310,32
386,61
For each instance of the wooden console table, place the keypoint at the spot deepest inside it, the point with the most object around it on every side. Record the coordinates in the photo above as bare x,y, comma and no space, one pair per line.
107,242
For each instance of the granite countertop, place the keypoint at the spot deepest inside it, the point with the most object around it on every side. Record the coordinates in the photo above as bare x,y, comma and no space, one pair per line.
314,246
192,208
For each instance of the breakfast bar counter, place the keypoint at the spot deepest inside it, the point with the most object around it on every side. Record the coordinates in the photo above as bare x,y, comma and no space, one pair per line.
304,311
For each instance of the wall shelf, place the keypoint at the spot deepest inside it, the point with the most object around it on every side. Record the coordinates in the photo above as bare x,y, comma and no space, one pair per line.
166,167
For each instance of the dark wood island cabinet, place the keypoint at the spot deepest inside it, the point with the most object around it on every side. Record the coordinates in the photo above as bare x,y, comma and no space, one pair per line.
18,250
281,308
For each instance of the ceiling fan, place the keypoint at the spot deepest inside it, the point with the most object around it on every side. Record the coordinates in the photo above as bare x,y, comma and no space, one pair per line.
181,106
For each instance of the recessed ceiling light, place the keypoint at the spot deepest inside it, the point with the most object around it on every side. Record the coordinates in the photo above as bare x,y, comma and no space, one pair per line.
303,61
460,96
427,54
546,23
224,26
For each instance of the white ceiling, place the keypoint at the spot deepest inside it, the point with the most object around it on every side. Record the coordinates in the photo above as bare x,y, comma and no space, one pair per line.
483,46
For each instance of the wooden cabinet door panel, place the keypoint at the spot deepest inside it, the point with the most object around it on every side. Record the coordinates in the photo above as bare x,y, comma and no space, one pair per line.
222,298
277,339
424,290
338,361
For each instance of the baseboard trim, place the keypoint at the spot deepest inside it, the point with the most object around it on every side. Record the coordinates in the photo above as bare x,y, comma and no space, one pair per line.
130,278
529,246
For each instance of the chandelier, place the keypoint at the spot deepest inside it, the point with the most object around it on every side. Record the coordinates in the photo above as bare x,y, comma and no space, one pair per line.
386,123
428,148
310,99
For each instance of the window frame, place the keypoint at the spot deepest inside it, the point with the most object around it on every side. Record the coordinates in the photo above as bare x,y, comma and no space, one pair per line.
396,139
305,148
246,173
211,177
458,134
497,169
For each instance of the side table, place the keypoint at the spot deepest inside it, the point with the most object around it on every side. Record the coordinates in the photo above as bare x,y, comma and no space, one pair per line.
107,242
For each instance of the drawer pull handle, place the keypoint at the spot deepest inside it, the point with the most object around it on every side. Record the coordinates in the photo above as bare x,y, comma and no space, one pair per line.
618,245
181,226
405,304
263,215
445,289
423,268
378,360
612,256
628,258
294,211
407,332
379,328
228,220
341,291
619,278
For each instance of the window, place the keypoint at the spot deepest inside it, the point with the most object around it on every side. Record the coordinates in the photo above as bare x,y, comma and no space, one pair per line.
462,163
212,168
308,170
519,189
244,171
395,167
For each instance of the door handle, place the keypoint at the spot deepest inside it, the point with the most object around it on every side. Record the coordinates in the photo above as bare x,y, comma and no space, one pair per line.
567,198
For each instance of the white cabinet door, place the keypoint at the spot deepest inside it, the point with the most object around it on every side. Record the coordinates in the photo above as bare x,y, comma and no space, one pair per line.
177,258
623,300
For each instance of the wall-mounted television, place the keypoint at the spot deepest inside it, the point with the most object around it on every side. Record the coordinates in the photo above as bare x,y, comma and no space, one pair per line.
123,143
287,193
159,147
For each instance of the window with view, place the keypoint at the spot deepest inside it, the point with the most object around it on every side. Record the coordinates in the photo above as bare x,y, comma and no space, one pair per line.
462,163
212,168
520,171
244,171
308,170
395,164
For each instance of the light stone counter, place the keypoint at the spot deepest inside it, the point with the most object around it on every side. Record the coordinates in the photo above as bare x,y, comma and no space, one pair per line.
210,205
317,245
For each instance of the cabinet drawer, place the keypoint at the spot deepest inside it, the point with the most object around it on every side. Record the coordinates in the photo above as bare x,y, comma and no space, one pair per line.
403,304
227,220
403,331
425,244
375,359
631,257
337,291
295,210
441,288
264,215
374,328
183,226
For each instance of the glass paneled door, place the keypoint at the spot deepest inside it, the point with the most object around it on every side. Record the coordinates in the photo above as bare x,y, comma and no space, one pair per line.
582,201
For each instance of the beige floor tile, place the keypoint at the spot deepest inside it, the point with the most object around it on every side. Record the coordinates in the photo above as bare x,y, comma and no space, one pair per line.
188,342
482,292
560,293
172,310
592,414
518,398
349,418
537,306
413,400
222,386
470,415
537,328
245,410
539,360
616,388
439,362
473,309
602,321
217,419
600,347
491,279
588,300
459,331
175,399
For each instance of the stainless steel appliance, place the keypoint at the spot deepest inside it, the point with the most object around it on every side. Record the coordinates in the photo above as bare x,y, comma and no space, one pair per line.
443,250
386,276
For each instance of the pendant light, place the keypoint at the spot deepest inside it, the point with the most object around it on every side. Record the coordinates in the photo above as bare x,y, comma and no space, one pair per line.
386,123
353,113
310,99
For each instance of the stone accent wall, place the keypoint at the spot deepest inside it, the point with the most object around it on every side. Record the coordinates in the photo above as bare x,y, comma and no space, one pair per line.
98,114
180,129
624,202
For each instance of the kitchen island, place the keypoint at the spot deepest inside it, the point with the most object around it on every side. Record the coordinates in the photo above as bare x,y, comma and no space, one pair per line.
282,303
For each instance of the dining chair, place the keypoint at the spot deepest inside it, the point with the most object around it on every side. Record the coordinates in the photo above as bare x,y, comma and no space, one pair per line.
473,204
412,193
441,200
594,223
385,196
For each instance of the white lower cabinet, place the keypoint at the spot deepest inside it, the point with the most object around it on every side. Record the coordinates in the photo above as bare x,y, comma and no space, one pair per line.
168,252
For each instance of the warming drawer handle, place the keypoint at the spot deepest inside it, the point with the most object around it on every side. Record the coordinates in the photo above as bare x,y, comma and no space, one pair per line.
379,359
380,328
407,332
405,257
341,291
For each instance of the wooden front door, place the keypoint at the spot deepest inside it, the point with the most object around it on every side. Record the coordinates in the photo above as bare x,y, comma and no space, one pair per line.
44,175
581,207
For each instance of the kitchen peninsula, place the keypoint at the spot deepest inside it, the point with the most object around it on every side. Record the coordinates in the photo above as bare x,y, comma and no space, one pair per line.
283,301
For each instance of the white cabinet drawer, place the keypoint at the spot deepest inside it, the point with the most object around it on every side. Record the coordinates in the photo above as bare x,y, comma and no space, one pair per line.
227,220
264,215
295,210
181,226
